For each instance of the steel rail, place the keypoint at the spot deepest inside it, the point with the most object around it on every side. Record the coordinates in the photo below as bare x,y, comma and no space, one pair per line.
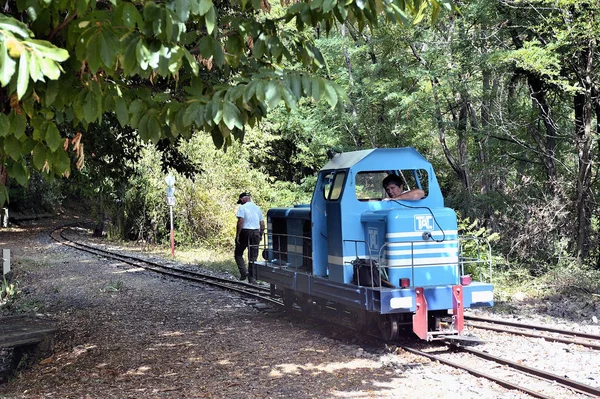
240,287
567,382
587,344
477,373
534,327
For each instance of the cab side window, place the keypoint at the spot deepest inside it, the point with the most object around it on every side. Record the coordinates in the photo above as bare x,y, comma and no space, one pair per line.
368,186
338,185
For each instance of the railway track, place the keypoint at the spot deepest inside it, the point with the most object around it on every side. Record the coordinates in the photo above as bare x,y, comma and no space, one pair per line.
258,292
509,374
535,331
534,382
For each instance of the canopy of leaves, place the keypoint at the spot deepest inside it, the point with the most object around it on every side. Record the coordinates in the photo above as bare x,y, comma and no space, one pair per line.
163,68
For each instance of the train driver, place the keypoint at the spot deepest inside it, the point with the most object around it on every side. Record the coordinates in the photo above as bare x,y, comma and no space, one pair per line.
394,188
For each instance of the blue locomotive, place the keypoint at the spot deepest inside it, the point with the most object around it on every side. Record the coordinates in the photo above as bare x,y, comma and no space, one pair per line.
394,264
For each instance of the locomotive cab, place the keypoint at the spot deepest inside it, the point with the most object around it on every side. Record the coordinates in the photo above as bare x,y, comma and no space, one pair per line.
395,262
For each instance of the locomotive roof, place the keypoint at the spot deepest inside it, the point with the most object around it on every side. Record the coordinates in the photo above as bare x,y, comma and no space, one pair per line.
379,158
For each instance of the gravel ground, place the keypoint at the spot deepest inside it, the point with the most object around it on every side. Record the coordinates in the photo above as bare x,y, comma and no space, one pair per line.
125,333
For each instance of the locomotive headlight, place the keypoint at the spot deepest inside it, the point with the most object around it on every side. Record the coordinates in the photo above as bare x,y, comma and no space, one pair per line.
401,303
482,296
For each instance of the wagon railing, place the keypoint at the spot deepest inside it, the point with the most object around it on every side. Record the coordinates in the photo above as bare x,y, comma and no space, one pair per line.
276,250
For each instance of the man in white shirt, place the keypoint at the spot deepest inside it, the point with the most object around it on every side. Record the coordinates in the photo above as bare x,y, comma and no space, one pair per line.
249,232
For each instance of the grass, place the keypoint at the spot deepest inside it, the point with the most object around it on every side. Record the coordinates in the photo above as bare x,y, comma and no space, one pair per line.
209,258
561,280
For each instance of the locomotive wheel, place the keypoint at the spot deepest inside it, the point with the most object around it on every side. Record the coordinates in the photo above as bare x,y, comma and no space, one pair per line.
388,327
288,300
306,304
362,321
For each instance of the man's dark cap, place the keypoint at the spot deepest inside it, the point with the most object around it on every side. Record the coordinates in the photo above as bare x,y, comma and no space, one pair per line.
242,195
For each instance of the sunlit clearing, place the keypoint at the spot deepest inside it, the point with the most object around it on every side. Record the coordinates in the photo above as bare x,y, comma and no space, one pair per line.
282,369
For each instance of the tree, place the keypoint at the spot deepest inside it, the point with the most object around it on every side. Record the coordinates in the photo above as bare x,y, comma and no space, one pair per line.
163,68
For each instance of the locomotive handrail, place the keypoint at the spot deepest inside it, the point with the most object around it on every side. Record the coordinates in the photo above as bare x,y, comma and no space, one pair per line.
382,260
381,272
472,260
271,248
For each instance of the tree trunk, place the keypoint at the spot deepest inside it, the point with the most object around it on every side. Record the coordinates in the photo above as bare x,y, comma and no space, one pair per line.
546,142
442,135
583,134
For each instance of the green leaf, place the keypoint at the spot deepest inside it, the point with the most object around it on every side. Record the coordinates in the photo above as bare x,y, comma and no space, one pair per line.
14,26
289,98
48,50
12,147
330,94
53,138
272,94
23,77
39,156
4,125
153,129
259,49
51,92
34,69
108,49
205,6
129,15
232,116
182,8
61,162
296,85
50,68
191,61
218,55
39,130
93,54
129,62
143,128
90,107
7,65
19,173
206,47
249,91
306,84
136,108
260,90
211,20
18,122
122,111
316,89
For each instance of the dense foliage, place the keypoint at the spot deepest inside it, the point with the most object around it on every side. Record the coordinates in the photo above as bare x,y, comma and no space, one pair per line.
501,97
165,69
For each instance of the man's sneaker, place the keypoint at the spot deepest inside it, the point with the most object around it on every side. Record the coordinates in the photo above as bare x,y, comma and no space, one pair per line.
243,277
251,280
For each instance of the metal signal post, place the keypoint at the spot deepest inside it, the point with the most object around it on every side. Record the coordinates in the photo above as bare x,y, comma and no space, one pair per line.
170,180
